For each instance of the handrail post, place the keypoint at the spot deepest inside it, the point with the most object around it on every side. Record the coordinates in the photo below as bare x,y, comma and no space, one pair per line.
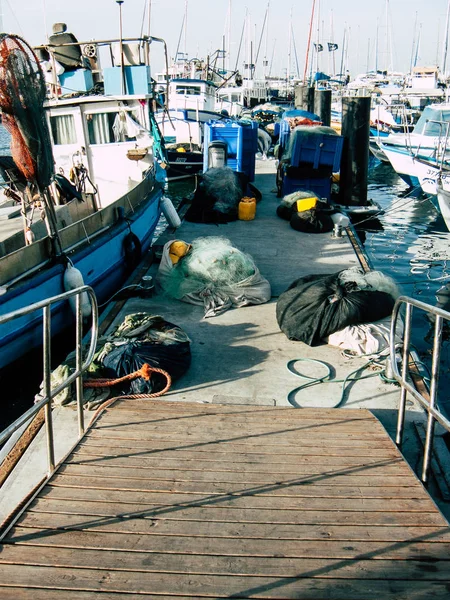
433,395
79,363
406,344
48,388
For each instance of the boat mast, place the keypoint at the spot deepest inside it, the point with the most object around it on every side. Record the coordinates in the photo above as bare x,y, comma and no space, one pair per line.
414,42
185,28
288,73
332,41
309,40
266,62
376,47
229,37
444,52
318,36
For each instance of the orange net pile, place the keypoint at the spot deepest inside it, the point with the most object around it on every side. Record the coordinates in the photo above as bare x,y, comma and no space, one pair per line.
22,96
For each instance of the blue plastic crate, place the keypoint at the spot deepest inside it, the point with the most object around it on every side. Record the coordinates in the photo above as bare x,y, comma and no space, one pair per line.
241,140
319,150
321,187
137,78
80,80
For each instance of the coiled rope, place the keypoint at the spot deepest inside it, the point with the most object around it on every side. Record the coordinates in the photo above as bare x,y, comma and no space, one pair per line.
310,381
145,372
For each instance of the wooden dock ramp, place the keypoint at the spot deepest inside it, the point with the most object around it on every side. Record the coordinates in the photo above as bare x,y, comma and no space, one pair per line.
170,499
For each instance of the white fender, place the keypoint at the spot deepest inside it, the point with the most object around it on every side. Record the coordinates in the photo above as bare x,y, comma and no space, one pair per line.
74,279
170,212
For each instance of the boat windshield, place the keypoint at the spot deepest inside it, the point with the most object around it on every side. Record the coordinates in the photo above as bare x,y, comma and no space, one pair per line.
433,129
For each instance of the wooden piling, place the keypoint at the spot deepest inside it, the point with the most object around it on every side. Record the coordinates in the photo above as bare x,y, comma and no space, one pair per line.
304,98
355,156
322,105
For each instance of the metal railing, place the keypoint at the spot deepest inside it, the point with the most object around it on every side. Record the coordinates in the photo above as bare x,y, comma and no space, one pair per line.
430,405
80,367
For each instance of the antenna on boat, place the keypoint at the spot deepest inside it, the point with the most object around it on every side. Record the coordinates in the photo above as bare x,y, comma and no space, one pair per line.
122,67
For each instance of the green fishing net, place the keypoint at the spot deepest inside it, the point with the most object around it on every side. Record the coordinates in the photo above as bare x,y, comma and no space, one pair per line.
212,263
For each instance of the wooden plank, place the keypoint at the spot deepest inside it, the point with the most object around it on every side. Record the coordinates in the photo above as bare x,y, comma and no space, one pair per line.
165,407
220,586
172,502
103,449
34,593
333,442
137,524
299,460
124,478
220,429
285,516
135,562
192,438
185,471
423,549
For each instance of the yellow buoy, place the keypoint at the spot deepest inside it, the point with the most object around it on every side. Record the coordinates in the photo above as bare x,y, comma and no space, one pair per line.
247,209
177,250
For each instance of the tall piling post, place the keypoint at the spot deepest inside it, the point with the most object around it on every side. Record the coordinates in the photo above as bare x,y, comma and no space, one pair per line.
322,105
355,155
304,98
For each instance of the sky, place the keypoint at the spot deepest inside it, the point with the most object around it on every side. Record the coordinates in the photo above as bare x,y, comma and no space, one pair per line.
285,36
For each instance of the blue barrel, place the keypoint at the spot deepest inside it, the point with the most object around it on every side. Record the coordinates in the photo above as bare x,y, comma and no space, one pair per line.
241,139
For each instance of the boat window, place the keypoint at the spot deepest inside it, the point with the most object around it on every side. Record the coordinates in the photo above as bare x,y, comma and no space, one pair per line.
424,127
63,129
109,128
188,90
235,98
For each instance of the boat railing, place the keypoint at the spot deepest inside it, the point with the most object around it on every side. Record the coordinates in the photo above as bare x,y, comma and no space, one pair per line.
45,403
428,402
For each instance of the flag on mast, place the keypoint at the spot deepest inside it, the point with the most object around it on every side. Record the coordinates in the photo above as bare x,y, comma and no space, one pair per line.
332,46
318,47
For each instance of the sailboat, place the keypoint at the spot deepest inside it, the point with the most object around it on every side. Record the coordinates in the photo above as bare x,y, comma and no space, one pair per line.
87,170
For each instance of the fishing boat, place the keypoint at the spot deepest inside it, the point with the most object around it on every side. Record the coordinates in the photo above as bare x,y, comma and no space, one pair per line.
190,103
434,178
423,142
86,170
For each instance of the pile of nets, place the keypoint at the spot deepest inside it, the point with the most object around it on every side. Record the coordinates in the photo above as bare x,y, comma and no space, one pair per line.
215,274
217,196
139,339
22,96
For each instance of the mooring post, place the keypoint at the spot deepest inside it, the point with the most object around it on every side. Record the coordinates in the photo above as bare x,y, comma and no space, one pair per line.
304,98
355,155
322,105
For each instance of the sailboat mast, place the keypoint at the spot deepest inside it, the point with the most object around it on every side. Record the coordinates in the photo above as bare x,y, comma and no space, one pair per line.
266,61
414,42
229,37
309,41
376,48
185,28
318,36
288,73
444,52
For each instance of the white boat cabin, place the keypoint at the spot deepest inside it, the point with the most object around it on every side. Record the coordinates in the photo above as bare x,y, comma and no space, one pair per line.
197,94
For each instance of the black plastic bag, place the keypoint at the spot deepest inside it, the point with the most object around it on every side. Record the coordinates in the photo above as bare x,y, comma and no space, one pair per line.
131,356
312,221
316,306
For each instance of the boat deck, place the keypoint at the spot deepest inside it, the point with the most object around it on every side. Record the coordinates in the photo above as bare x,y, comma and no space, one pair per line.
217,501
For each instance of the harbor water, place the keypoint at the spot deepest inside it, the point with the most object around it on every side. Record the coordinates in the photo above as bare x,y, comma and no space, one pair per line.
408,242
